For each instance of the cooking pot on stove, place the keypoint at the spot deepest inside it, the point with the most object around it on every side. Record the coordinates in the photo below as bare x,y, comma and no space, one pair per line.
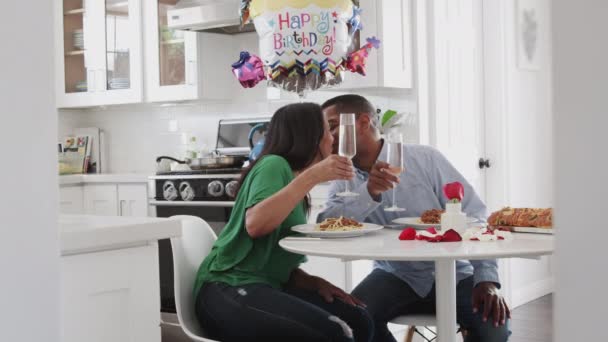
168,164
213,161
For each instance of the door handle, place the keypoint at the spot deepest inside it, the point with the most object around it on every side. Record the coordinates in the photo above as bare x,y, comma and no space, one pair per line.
191,72
484,163
91,83
120,206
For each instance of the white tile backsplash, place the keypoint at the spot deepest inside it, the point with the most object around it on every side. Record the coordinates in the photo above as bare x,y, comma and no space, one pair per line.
137,134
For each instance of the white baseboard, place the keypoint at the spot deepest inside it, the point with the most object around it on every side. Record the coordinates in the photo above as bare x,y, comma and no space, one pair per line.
528,293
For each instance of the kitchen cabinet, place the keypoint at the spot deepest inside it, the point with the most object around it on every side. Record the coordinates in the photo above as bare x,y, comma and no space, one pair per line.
110,288
116,200
104,195
98,52
132,200
171,56
71,200
111,295
183,65
391,65
100,200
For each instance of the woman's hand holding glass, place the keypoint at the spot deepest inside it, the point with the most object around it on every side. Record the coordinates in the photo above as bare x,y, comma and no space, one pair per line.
332,168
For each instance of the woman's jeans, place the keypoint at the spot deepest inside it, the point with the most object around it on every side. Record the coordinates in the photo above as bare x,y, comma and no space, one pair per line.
258,312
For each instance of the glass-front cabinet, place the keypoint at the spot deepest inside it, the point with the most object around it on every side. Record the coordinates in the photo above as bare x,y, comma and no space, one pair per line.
98,51
75,71
171,56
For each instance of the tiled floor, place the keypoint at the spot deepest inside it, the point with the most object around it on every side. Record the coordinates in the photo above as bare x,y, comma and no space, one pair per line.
532,322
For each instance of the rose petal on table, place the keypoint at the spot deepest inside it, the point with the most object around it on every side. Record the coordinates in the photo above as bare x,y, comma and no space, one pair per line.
408,233
451,236
432,230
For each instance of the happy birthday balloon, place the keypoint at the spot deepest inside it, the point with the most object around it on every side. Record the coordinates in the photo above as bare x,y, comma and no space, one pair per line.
304,44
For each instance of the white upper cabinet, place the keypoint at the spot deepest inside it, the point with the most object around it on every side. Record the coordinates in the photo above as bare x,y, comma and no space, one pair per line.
391,65
98,52
171,56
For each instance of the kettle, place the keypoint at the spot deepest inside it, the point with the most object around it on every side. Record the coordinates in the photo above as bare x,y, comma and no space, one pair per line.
256,149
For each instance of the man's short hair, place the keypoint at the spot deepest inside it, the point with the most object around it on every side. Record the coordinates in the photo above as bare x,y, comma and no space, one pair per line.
352,103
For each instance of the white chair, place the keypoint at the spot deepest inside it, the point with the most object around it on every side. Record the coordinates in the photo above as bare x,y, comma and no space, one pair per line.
189,250
414,321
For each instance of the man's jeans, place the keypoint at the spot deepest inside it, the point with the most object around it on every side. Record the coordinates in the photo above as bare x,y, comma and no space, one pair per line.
387,297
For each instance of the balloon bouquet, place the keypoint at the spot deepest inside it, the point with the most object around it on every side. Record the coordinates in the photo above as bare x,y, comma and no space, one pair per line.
304,44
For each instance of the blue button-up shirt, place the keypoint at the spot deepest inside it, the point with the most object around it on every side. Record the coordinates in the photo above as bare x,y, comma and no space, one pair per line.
420,189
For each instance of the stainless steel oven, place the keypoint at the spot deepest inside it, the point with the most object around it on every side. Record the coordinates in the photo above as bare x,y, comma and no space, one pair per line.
208,194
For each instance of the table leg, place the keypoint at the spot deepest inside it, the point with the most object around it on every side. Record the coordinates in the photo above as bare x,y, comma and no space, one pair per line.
445,287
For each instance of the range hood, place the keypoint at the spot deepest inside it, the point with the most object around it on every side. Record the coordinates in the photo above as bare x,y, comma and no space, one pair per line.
218,16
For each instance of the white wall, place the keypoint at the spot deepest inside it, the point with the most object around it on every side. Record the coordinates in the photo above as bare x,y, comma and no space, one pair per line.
137,134
29,250
581,164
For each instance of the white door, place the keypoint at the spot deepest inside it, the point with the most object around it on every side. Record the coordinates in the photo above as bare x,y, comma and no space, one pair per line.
519,135
456,87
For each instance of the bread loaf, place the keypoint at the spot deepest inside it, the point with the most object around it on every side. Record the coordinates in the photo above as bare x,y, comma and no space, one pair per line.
522,217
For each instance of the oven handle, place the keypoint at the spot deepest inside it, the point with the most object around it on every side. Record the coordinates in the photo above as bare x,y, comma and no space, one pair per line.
220,204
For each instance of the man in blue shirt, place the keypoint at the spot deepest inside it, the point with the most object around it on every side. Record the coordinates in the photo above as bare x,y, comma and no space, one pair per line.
396,288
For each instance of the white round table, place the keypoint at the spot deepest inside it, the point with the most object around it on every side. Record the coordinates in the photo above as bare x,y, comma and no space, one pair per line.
385,245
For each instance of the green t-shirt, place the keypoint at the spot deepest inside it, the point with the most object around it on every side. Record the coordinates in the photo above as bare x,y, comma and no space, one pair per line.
238,259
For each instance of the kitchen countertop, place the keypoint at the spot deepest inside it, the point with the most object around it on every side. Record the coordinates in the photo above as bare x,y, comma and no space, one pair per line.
86,234
103,178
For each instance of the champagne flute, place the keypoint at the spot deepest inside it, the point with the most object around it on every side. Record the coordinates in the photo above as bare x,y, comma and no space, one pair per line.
395,161
347,145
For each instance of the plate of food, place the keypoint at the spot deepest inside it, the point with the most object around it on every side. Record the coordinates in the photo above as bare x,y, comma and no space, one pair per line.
336,228
429,218
523,220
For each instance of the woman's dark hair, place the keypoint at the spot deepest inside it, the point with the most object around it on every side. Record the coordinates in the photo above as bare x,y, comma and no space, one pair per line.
294,133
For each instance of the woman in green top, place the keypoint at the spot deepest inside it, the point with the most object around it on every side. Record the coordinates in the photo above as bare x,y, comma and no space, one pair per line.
250,289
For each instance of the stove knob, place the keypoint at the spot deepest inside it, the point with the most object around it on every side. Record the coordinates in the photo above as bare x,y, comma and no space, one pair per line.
186,191
231,188
215,188
169,191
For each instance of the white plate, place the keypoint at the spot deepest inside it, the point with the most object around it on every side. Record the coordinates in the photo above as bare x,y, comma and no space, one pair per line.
415,222
535,230
309,229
